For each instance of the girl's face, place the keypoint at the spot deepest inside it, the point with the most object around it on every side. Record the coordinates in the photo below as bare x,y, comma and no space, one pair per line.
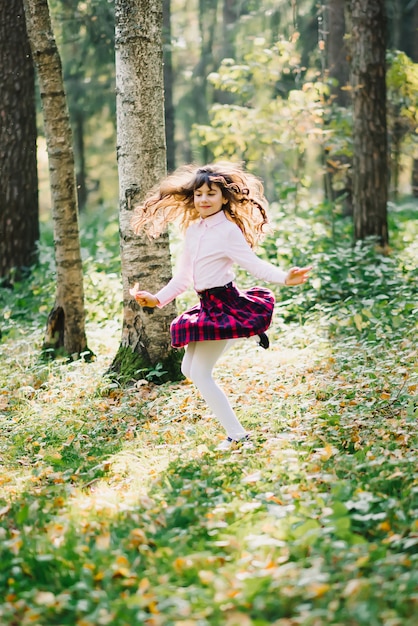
208,200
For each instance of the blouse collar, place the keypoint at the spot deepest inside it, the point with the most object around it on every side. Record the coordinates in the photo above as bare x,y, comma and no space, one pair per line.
214,220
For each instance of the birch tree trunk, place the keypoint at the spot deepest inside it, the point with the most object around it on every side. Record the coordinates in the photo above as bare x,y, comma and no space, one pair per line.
141,157
66,323
370,162
19,221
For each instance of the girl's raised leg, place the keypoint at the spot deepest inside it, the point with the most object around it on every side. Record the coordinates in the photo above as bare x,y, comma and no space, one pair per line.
198,363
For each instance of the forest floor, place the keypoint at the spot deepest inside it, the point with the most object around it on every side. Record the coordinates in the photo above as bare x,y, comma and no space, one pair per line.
116,508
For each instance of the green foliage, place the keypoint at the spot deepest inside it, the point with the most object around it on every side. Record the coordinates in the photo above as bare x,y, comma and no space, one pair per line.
27,303
275,115
353,285
116,508
129,366
402,87
402,111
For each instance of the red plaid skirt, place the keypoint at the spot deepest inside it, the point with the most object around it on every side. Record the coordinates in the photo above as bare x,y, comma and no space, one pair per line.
224,313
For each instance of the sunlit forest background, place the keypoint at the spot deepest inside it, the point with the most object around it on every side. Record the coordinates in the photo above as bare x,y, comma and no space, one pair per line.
270,66
116,508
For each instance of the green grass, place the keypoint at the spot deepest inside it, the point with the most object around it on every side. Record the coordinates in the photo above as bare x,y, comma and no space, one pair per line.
116,508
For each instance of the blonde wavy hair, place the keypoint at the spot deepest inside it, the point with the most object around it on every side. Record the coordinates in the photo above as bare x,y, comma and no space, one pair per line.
173,200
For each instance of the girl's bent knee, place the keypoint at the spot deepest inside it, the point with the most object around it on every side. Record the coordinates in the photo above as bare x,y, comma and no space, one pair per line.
185,369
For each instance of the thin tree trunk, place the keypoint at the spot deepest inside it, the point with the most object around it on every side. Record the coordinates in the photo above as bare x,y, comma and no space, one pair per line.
80,157
19,221
337,62
141,164
231,10
168,87
207,28
414,57
370,166
66,324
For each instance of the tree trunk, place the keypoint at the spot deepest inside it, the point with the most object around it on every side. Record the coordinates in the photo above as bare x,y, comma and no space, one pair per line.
208,10
168,87
370,166
80,160
231,10
19,221
66,325
337,51
414,56
141,164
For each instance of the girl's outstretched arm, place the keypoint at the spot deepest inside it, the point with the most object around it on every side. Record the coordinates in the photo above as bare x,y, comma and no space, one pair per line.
297,275
144,298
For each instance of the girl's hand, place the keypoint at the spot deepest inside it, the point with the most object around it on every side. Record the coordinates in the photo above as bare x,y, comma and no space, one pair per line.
144,298
297,275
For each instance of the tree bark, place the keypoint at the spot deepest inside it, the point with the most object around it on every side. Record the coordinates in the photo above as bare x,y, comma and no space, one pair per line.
141,154
207,18
337,62
80,159
414,56
370,162
231,11
19,220
168,87
66,326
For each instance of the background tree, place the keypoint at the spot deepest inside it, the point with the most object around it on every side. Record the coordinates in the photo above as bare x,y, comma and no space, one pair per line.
336,49
19,223
402,114
66,322
141,164
85,34
370,168
169,111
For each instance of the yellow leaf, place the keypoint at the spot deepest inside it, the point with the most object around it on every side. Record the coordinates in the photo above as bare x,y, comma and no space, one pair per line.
90,566
144,584
317,590
153,608
137,537
103,541
358,321
327,452
121,572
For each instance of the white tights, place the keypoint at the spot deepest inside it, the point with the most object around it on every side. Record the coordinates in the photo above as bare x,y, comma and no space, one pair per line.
198,363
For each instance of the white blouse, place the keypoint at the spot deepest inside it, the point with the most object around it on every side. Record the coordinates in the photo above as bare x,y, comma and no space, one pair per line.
212,246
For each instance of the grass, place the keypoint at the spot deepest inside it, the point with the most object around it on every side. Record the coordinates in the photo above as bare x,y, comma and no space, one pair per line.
116,508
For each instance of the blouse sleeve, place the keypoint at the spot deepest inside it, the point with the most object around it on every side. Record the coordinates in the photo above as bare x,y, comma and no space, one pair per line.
241,253
180,282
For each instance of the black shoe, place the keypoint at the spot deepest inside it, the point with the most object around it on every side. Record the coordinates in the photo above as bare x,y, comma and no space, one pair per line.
264,341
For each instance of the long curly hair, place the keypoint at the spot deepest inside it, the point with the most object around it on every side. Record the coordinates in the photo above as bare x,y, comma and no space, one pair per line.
173,200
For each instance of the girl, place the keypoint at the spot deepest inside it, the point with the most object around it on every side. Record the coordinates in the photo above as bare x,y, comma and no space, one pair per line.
223,212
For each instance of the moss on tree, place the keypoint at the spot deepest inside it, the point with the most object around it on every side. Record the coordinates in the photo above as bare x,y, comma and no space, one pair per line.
129,366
